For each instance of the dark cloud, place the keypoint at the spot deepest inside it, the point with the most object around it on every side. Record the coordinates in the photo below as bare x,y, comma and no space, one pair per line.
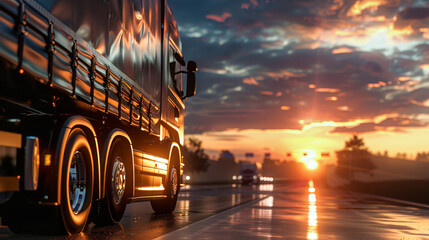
413,13
227,137
390,124
362,128
286,49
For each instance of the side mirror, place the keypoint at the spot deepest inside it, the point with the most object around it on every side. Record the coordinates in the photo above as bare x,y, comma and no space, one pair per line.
191,79
192,66
190,85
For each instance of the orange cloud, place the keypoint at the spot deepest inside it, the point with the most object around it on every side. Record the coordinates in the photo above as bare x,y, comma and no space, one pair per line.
404,78
285,74
267,93
254,2
361,5
343,108
332,99
222,18
425,32
376,85
245,6
250,81
342,50
327,90
285,108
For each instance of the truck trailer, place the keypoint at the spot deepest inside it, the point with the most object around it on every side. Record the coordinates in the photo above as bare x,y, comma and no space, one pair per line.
91,110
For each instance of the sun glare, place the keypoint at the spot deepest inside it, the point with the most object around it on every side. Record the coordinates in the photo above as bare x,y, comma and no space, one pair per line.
307,155
312,164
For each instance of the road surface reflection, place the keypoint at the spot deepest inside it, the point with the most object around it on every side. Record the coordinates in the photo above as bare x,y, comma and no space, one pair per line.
312,212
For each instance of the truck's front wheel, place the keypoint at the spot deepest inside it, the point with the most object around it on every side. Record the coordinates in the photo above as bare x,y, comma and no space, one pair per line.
168,204
77,182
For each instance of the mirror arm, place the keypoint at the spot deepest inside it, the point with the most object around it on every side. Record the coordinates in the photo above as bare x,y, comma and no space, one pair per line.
180,72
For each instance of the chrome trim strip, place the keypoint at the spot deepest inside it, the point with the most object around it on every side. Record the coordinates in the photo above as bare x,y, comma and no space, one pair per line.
146,198
49,203
147,156
151,188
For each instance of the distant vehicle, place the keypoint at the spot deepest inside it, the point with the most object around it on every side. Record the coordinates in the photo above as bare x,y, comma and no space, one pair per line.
248,173
91,110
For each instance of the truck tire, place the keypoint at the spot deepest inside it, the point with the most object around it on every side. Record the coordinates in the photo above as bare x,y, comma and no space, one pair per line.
118,186
77,182
168,204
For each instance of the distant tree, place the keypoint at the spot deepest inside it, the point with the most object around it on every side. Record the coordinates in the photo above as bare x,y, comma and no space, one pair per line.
226,157
195,159
354,144
355,157
386,153
422,157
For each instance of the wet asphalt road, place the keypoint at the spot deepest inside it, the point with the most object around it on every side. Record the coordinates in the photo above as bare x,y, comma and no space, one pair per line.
280,211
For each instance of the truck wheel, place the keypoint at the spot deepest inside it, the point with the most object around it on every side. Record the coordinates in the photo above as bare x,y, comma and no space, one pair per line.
168,204
118,186
77,182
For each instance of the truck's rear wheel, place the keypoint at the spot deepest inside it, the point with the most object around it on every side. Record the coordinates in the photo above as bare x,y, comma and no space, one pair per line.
77,182
168,204
118,186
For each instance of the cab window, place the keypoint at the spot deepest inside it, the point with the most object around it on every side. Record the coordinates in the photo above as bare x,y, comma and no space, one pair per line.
175,67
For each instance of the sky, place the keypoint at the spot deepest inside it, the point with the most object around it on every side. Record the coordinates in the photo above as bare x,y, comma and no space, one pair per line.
289,76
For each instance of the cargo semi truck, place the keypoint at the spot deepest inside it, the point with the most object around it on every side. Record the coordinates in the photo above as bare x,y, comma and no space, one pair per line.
91,110
248,173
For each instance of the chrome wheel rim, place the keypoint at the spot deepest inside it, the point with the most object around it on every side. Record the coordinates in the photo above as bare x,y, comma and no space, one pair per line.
174,182
77,182
118,180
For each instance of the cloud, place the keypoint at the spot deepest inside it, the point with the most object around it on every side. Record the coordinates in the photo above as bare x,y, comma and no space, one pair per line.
250,81
278,44
389,124
341,50
254,2
267,93
221,18
226,137
361,128
361,58
245,6
327,90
